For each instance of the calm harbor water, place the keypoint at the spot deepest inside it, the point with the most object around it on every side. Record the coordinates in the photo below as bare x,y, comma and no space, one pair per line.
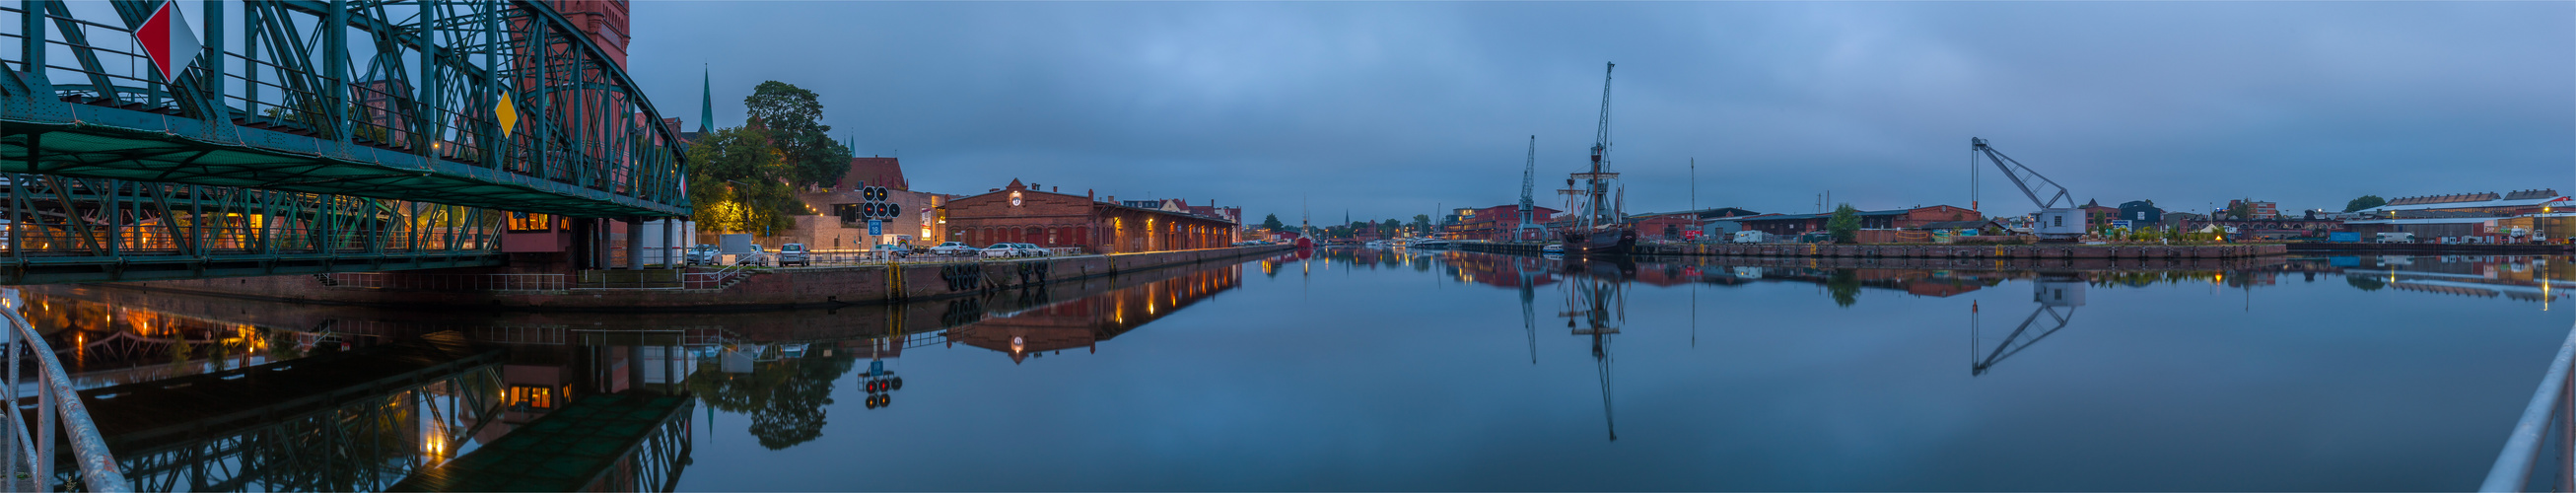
1396,370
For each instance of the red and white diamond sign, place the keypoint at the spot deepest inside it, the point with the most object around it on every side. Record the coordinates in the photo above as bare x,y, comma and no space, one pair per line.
168,41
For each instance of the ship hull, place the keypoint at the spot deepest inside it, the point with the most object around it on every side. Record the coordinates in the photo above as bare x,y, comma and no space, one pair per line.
1604,241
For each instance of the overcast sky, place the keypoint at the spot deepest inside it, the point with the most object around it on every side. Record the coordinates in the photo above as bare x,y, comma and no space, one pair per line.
1393,109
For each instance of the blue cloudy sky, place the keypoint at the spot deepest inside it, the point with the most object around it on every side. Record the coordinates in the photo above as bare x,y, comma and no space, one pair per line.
1392,109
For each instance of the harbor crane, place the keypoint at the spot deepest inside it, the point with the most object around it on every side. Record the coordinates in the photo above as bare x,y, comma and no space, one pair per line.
1529,176
2052,293
2057,223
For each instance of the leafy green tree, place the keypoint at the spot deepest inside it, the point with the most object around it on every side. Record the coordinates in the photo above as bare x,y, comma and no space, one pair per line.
2365,202
1422,223
1845,224
1272,223
2241,210
1844,286
737,182
1390,227
794,118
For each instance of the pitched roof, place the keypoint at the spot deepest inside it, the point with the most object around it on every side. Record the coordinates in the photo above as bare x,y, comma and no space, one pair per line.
875,172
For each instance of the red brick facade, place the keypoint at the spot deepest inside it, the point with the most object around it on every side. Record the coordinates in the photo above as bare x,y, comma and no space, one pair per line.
1497,223
1019,214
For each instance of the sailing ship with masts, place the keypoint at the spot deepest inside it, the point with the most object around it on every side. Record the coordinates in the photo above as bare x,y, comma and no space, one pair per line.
1600,225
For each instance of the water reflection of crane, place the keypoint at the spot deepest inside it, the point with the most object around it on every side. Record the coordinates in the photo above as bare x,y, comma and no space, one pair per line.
1529,270
1599,299
2051,293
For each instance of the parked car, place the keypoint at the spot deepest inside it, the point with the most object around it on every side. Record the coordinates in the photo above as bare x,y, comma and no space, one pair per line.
794,253
1002,250
896,250
702,255
1033,250
953,248
752,256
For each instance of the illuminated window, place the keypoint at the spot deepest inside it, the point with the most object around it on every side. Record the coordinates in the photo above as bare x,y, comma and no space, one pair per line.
521,222
532,397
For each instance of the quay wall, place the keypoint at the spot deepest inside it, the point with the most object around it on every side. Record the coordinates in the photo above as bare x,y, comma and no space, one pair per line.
2433,248
764,290
2040,251
2033,265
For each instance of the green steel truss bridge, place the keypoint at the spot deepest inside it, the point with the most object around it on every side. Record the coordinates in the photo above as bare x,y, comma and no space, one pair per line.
308,136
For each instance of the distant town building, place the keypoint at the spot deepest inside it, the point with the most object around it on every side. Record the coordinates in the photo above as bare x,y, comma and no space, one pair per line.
1492,223
2141,213
2096,216
2489,203
1791,224
1020,213
2255,210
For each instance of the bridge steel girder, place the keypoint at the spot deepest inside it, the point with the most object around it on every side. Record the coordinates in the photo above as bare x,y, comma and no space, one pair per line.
59,229
276,105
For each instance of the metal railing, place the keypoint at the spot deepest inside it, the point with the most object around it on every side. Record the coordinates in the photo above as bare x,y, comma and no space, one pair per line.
55,397
2549,404
713,280
448,282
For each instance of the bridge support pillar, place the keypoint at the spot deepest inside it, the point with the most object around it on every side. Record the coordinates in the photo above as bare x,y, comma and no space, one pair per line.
635,243
670,250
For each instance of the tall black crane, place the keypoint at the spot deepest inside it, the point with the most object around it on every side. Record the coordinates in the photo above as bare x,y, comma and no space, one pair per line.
2056,222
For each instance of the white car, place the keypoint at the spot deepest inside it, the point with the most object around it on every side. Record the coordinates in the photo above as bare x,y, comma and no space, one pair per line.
1002,250
953,248
1033,250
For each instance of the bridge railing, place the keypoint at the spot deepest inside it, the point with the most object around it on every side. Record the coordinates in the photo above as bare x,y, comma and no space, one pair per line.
447,282
2552,409
57,405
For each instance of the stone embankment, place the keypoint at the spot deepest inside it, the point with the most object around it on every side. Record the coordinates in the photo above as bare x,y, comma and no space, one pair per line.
2041,251
762,290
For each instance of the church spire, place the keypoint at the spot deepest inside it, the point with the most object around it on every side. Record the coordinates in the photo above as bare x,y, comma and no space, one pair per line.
707,113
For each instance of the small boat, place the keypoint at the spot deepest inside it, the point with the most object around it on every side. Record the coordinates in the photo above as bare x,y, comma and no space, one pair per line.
1432,244
1377,244
1557,248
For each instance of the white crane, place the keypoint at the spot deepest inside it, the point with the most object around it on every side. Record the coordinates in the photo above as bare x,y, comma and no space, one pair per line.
2056,222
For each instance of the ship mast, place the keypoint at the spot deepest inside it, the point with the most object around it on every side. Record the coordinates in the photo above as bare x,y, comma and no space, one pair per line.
1596,212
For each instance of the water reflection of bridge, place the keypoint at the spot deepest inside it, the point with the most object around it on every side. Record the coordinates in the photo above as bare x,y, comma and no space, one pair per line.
352,421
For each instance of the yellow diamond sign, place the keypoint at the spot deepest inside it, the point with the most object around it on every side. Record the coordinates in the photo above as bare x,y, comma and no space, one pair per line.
507,113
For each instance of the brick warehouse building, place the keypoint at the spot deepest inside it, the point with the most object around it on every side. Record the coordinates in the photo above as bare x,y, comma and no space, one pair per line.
1024,214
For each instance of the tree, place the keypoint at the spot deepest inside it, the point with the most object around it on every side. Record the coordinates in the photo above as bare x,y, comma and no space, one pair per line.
2241,210
1845,224
1272,223
737,183
793,116
1390,227
1844,286
1422,223
2365,202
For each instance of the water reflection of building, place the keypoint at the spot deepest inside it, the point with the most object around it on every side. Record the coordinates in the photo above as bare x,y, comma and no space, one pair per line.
1082,323
2519,278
